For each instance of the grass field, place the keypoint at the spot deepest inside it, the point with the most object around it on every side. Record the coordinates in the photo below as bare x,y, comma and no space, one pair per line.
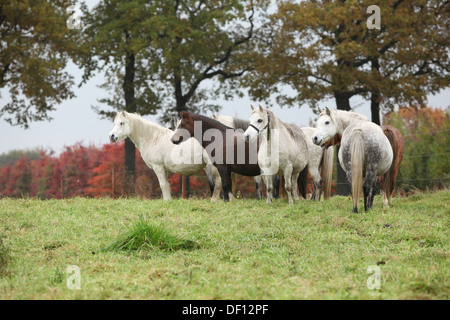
246,249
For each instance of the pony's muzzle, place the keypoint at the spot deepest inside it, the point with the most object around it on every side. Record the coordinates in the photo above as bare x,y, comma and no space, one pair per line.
175,140
316,140
113,138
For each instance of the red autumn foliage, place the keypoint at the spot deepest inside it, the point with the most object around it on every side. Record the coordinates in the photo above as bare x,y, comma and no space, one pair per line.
88,172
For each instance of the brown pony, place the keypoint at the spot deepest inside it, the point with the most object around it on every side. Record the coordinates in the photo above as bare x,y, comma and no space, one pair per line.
233,145
387,181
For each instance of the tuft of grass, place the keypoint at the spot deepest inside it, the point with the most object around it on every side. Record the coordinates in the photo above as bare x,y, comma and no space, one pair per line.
142,234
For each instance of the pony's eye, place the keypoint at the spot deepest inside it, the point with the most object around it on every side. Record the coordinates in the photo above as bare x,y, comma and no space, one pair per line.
327,122
260,120
121,123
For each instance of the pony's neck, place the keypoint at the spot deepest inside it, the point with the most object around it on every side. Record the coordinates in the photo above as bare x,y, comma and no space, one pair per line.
206,124
143,130
274,123
346,118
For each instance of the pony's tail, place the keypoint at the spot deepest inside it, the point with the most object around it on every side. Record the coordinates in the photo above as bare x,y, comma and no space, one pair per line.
357,164
389,176
302,182
211,183
327,171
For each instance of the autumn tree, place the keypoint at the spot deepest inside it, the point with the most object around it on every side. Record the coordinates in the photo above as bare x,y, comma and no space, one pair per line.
325,50
426,132
157,54
413,61
116,36
35,47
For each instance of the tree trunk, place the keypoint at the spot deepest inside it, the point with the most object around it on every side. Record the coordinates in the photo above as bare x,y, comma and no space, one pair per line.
130,166
181,106
130,149
375,98
343,187
375,107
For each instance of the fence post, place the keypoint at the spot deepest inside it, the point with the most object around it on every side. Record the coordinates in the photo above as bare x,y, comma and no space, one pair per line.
113,181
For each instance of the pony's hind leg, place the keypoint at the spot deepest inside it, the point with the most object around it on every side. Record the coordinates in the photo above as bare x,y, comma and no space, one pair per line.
294,186
216,181
368,187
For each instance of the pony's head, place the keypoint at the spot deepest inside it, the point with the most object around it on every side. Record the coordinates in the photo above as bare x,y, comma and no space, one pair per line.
326,129
122,127
258,122
184,128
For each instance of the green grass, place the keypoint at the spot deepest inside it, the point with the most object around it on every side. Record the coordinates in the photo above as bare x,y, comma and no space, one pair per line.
246,249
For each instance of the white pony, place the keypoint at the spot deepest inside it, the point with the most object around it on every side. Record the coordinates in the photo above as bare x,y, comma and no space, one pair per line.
365,151
282,150
319,159
237,123
160,154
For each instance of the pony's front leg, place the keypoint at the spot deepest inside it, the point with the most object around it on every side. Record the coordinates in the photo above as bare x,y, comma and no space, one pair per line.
161,173
268,181
258,187
225,175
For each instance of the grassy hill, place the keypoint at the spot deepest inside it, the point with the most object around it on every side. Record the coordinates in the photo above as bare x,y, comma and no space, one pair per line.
246,249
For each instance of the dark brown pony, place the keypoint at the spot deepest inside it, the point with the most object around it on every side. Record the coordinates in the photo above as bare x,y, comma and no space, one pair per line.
233,141
387,181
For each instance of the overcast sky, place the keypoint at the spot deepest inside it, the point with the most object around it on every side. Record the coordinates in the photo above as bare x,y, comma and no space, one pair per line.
76,121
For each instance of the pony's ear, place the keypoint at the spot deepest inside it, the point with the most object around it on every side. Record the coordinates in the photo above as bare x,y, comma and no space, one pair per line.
185,115
320,110
328,112
124,114
260,108
253,108
214,116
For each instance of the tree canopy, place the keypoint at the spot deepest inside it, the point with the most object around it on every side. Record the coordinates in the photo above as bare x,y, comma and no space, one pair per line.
35,47
166,49
324,49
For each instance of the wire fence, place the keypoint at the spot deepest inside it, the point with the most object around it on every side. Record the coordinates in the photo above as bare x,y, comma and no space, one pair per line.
398,181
